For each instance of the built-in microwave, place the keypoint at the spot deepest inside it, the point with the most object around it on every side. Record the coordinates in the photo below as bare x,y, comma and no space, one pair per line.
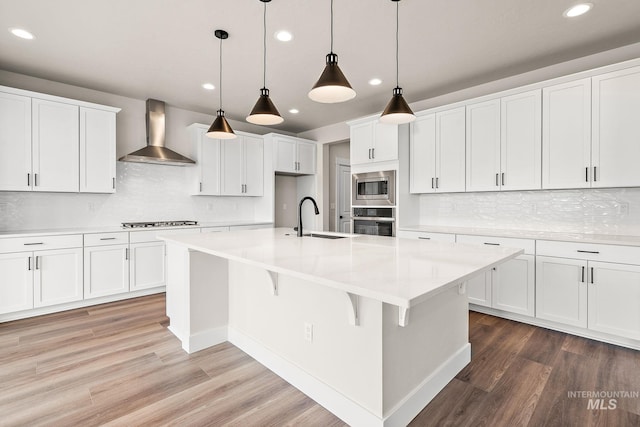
374,188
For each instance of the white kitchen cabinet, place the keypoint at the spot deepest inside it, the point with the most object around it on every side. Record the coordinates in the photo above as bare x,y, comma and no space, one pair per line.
205,175
106,270
97,151
504,143
15,142
426,235
616,129
479,289
372,141
437,152
242,166
614,299
57,276
566,135
16,286
293,155
147,265
56,147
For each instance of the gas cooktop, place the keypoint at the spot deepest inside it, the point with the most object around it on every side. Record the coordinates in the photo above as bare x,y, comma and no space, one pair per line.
158,224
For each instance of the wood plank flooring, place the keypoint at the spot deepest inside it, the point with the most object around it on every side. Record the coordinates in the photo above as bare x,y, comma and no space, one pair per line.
117,365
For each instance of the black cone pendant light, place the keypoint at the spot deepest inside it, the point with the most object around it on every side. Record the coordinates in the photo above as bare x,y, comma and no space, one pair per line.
332,86
397,111
220,129
264,112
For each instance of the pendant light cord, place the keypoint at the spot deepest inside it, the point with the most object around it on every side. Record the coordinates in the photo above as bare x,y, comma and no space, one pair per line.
331,27
220,91
397,29
264,47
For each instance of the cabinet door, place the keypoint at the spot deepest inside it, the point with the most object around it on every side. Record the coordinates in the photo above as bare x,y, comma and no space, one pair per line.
231,167
521,141
307,158
616,129
422,149
566,135
479,289
286,158
16,286
385,142
483,146
514,286
561,290
209,166
253,166
361,143
56,147
147,265
97,151
450,150
106,270
57,277
614,299
15,143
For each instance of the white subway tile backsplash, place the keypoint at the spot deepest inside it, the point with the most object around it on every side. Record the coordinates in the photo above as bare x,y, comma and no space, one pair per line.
607,211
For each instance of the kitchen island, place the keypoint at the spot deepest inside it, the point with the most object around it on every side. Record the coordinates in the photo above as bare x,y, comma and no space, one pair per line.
370,327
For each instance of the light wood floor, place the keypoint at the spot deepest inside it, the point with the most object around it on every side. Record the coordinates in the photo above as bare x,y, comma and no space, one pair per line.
117,364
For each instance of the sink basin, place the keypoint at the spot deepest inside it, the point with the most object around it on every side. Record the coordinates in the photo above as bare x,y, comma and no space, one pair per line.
323,236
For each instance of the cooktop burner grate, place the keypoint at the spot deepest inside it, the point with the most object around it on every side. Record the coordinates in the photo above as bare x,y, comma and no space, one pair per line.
152,224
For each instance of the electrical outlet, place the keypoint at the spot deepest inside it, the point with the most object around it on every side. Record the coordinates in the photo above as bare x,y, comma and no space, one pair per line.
308,332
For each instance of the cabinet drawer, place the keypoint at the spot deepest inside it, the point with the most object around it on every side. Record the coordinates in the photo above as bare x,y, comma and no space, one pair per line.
40,243
528,245
152,235
424,235
101,239
590,251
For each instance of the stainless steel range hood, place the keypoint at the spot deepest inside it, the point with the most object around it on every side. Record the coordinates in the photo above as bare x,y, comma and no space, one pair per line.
155,151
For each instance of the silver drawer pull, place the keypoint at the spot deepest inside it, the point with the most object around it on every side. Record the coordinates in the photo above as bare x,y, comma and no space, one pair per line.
107,238
32,244
424,238
588,252
492,244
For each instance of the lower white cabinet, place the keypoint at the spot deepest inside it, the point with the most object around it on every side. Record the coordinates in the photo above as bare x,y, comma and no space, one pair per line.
106,270
479,289
148,268
16,286
57,276
427,235
561,290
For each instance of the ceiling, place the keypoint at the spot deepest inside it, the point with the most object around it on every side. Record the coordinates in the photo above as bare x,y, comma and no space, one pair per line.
165,49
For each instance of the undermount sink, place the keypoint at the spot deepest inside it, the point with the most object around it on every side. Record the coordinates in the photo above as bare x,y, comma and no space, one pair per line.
323,236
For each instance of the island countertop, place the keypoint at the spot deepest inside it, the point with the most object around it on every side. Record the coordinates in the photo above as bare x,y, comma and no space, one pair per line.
402,272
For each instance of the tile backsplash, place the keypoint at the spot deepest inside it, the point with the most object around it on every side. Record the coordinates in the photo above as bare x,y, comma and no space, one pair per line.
144,193
606,211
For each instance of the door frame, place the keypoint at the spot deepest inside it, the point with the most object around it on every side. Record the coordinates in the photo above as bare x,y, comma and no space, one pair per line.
340,161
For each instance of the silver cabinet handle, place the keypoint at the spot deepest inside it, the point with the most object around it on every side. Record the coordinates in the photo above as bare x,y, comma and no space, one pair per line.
107,238
432,185
126,254
37,262
502,178
33,244
497,184
201,187
28,180
437,185
369,153
588,252
113,182
424,238
373,153
492,244
29,264
586,174
592,275
35,179
582,280
595,177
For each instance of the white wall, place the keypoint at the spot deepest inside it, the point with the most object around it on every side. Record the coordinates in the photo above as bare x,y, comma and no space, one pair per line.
286,202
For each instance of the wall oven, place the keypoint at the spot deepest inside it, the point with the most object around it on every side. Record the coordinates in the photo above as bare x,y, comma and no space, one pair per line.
374,221
374,188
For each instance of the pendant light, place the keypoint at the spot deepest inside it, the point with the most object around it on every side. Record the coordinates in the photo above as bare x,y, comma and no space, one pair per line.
397,111
264,112
332,86
220,128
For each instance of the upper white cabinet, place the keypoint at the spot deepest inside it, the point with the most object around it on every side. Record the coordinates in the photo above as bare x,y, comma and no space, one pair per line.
372,141
206,172
437,152
566,135
97,151
242,166
616,129
294,155
55,144
504,146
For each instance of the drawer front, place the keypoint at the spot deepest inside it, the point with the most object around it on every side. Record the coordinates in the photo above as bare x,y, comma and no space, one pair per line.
102,239
424,235
152,235
528,245
41,243
590,251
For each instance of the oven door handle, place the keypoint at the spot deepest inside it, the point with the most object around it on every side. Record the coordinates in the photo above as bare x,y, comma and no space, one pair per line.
374,218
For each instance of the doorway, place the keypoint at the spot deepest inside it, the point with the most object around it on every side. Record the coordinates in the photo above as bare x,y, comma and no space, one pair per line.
343,196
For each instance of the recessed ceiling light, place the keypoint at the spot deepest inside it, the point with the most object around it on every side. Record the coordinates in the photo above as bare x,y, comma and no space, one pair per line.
375,82
208,86
284,36
577,10
23,34
294,111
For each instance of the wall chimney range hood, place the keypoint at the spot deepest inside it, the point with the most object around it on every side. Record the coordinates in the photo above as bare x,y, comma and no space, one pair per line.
155,152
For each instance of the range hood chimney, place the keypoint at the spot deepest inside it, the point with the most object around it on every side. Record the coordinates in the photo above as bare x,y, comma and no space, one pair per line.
155,151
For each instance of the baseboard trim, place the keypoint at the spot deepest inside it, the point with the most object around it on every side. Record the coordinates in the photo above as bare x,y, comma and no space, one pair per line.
205,339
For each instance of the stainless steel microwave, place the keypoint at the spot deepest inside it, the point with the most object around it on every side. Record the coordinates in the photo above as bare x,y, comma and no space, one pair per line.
374,188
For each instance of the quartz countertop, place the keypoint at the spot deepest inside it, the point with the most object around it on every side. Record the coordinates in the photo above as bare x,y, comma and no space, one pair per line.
114,229
608,239
402,272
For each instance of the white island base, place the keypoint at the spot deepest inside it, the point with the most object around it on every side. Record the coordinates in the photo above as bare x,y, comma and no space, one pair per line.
349,353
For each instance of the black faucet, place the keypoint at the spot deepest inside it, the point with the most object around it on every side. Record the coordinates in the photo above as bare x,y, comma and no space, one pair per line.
315,206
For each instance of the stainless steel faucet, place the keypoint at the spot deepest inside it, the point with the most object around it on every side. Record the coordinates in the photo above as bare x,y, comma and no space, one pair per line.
315,206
